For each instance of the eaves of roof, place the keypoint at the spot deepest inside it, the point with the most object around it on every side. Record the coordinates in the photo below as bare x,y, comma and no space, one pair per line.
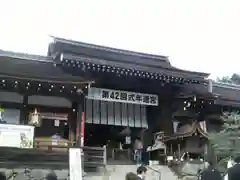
148,60
229,94
195,128
137,67
109,49
34,67
226,85
25,56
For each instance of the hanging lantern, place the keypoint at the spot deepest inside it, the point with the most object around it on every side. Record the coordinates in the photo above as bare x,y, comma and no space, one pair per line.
35,118
194,98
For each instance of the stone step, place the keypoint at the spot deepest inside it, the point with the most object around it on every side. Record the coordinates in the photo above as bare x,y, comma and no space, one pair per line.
118,172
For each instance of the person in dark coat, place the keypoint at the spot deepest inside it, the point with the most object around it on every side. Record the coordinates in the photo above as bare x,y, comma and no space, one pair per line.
141,172
210,173
234,172
2,176
131,176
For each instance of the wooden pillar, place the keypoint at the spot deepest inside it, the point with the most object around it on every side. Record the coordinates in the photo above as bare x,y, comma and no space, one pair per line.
24,111
179,151
72,118
171,149
161,118
80,121
210,86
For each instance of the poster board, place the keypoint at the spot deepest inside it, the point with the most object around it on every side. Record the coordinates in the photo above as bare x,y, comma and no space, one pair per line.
19,136
75,164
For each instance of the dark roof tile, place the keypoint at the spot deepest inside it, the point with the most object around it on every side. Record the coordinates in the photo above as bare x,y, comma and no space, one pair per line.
24,56
33,67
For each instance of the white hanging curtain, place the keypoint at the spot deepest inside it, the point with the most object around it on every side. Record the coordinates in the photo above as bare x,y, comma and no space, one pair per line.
203,125
175,125
229,165
116,113
144,116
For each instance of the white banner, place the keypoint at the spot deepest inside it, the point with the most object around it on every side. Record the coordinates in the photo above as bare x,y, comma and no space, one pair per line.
75,164
122,96
19,136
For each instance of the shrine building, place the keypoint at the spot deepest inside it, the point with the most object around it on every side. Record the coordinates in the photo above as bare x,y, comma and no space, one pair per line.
103,98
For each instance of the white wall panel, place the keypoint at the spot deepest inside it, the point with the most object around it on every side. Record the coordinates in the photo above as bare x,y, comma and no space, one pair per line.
131,115
49,101
11,116
117,111
10,97
96,112
124,114
110,113
103,106
137,114
89,109
144,116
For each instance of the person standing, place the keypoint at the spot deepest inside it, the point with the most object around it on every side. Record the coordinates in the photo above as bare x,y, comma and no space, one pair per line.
131,176
138,148
230,164
234,172
2,176
210,173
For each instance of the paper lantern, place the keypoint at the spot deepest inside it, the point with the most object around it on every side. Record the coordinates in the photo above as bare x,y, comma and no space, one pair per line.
35,118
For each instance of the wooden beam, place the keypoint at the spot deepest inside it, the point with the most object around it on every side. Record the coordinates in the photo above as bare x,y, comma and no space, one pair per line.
24,111
72,118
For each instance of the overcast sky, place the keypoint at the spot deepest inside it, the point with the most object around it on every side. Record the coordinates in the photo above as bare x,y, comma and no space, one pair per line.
197,35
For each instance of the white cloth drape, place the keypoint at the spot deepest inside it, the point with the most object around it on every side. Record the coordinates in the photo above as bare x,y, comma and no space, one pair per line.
203,125
175,125
229,165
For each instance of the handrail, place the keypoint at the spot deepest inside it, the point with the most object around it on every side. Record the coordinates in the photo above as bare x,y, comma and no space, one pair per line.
92,156
199,174
93,148
159,172
153,169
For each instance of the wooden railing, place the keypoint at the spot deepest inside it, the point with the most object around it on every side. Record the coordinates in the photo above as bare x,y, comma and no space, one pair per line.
47,144
95,156
44,154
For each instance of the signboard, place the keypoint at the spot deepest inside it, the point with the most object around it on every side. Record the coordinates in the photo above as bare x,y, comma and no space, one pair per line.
122,96
19,136
75,164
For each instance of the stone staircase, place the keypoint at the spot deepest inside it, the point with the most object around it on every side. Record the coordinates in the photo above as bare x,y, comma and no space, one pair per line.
112,172
166,173
118,172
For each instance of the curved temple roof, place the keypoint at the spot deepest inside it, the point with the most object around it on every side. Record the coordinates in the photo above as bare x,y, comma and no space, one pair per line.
44,67
34,67
187,131
118,58
222,93
229,94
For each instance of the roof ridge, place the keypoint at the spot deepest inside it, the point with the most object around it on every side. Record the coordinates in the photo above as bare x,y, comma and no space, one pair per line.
201,131
22,55
190,71
195,127
116,50
227,85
